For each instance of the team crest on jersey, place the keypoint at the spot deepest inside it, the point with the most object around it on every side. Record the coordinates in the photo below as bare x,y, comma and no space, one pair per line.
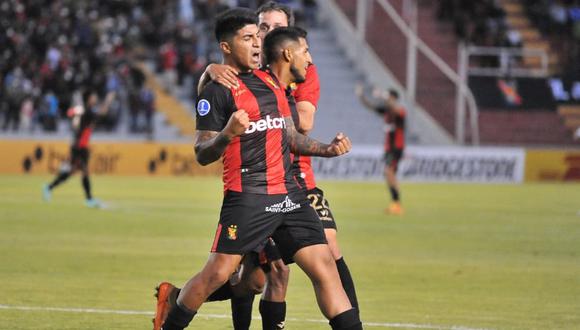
233,232
272,82
203,107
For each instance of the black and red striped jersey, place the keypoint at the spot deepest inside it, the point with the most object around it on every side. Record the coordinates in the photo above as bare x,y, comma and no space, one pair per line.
82,124
259,160
394,127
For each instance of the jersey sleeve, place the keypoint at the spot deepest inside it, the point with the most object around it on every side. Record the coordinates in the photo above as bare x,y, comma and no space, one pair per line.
214,108
309,90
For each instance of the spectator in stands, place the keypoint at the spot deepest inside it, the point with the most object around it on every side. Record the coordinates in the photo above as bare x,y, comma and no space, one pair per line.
147,101
27,114
49,109
559,16
168,55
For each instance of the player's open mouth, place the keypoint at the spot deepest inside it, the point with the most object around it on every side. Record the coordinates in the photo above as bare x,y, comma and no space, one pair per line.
256,56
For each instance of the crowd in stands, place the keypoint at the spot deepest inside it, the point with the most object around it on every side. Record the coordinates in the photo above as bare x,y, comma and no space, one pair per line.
480,23
187,48
560,20
483,23
53,49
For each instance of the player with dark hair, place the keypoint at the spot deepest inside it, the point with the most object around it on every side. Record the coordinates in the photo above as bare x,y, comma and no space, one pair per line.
83,120
252,128
270,15
394,115
305,97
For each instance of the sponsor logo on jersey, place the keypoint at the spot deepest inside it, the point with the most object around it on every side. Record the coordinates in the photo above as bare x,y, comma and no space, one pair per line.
233,232
286,205
203,107
264,124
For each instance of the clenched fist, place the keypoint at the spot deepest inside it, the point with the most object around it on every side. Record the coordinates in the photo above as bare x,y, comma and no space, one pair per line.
237,124
341,144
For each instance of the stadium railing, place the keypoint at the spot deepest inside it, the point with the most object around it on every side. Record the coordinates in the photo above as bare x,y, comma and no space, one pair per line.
415,46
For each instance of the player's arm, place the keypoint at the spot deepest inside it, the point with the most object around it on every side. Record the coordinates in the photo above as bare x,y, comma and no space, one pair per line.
210,145
217,123
220,73
365,101
304,145
306,112
307,95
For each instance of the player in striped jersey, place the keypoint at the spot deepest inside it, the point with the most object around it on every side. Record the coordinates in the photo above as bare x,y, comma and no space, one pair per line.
83,119
252,127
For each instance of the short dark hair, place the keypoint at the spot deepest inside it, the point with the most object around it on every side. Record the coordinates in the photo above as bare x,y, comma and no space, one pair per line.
275,40
229,22
394,93
274,6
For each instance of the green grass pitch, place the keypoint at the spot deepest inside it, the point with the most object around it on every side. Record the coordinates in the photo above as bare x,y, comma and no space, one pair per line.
471,256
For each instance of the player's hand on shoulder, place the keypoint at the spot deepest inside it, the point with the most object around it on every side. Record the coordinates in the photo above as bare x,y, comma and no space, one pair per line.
237,124
340,145
223,74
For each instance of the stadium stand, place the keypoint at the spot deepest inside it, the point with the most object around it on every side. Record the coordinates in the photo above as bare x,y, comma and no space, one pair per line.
137,49
443,25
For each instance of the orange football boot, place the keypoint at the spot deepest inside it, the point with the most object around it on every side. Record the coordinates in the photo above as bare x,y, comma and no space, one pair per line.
166,294
395,209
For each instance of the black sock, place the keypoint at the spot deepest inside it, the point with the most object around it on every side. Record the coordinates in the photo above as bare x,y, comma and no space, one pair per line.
87,187
394,194
242,311
348,320
173,297
178,318
62,176
273,314
224,292
347,282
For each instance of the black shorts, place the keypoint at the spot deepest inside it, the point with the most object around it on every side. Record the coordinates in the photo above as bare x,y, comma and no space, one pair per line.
322,208
79,156
247,220
392,158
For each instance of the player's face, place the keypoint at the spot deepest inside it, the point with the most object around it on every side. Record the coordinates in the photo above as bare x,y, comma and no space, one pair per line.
301,60
270,20
246,47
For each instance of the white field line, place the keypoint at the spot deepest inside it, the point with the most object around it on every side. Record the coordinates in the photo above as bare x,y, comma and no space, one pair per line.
222,316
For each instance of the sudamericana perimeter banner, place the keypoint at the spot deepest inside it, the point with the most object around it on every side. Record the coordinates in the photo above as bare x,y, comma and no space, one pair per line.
44,157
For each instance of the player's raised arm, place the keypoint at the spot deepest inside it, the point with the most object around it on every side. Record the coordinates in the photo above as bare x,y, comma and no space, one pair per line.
359,91
210,145
303,145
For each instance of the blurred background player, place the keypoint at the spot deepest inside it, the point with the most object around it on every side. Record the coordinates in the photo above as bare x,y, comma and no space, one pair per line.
83,118
394,115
